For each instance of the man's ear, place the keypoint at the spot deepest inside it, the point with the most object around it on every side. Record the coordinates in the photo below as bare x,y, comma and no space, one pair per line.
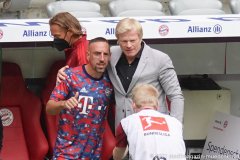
134,105
88,55
69,34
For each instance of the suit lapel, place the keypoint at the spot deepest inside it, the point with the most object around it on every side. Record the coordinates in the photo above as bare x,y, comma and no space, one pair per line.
114,60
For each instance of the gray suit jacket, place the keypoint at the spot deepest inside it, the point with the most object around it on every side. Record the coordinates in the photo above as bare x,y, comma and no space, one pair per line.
154,67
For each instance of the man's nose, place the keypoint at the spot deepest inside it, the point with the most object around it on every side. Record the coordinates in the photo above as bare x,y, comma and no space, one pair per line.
102,56
128,44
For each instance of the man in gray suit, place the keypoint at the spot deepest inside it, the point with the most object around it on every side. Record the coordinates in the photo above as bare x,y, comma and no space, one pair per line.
133,62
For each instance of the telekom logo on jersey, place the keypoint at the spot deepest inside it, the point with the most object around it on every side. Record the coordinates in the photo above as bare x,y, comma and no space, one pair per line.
154,123
85,102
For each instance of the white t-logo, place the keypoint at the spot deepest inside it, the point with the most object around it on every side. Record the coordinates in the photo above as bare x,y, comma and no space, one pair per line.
85,105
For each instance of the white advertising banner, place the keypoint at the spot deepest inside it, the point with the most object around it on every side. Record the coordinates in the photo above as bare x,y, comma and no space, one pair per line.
223,140
33,30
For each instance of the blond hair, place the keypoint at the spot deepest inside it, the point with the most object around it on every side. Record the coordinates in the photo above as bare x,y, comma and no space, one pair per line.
128,24
145,95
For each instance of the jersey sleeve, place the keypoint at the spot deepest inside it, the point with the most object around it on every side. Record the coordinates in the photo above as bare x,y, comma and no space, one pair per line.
121,137
60,91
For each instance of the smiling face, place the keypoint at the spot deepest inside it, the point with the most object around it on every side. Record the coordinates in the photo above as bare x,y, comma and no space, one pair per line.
98,57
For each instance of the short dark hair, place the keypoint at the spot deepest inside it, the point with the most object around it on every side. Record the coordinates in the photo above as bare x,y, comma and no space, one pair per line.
98,39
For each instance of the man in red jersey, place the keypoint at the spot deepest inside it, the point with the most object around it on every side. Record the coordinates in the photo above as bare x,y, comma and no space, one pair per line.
82,101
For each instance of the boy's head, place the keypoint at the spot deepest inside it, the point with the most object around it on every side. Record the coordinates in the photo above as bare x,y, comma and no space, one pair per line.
145,95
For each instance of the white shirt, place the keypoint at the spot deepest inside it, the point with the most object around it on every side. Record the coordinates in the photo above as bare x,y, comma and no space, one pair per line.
151,134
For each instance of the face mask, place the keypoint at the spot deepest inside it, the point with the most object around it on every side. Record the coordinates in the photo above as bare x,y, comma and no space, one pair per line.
60,44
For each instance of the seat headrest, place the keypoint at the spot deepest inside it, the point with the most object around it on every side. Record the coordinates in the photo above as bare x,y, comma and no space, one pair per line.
11,69
178,6
12,83
70,6
134,13
116,7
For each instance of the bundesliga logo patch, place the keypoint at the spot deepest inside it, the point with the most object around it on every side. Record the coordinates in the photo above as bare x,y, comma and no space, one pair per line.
154,123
